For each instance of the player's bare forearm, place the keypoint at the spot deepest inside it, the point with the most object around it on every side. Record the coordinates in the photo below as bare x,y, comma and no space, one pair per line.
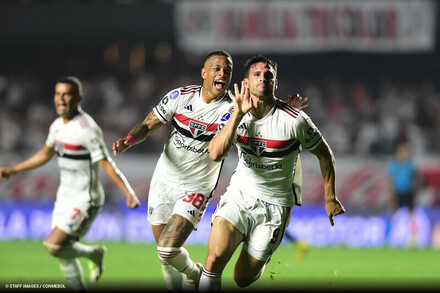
328,170
109,167
138,133
38,159
221,144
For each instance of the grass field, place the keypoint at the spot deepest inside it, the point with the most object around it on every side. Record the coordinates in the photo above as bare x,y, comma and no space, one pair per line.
135,267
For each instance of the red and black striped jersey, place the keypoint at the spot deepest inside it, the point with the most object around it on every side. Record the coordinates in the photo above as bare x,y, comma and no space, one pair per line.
268,151
79,145
184,161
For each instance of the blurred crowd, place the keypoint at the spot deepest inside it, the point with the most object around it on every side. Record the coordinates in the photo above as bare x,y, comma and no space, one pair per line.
358,117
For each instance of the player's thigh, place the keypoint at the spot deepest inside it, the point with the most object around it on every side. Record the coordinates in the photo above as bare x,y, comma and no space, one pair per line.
161,200
75,219
224,239
191,205
58,237
165,200
267,230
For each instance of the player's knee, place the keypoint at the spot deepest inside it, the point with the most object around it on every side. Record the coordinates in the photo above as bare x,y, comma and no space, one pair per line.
244,280
214,262
52,249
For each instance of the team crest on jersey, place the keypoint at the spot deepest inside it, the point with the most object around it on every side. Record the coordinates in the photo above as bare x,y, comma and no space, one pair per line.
196,128
59,148
258,146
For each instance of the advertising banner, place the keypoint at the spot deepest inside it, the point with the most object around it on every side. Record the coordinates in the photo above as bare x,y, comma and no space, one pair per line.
305,26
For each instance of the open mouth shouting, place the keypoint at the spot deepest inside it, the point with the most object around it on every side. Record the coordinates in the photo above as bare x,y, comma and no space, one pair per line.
220,85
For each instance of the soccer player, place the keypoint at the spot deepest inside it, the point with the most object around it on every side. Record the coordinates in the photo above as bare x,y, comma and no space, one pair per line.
78,142
185,178
256,207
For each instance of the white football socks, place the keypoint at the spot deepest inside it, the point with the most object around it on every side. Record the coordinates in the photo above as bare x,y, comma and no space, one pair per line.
173,278
209,281
178,257
73,272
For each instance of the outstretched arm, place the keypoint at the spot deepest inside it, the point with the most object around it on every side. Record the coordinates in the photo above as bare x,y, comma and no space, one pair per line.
119,179
222,142
138,134
328,171
38,159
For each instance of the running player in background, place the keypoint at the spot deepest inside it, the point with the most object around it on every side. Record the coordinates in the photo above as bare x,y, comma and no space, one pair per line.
79,144
185,178
256,207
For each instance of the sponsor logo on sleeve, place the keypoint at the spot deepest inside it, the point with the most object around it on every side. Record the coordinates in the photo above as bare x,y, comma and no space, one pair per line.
226,117
174,94
312,133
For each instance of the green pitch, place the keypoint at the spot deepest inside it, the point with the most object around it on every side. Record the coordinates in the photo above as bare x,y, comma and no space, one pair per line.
135,267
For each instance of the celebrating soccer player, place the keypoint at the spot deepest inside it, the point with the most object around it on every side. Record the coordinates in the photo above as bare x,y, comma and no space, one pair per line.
79,144
256,207
185,178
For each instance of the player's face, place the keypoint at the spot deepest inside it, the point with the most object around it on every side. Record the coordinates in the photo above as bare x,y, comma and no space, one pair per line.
261,80
217,74
65,100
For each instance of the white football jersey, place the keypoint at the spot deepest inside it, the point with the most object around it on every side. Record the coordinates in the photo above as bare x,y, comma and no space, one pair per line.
268,150
184,161
79,145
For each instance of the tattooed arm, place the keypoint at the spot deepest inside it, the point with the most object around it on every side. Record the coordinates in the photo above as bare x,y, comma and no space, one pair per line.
138,134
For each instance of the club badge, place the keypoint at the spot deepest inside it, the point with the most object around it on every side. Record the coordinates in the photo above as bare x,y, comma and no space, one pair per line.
196,128
258,146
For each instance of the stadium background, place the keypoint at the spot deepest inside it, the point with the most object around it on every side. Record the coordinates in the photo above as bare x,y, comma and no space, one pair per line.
368,81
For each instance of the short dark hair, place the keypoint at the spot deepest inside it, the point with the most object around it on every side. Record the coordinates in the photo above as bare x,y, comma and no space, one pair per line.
217,53
258,59
72,80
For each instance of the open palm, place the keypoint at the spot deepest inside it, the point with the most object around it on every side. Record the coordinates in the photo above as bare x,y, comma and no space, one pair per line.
242,99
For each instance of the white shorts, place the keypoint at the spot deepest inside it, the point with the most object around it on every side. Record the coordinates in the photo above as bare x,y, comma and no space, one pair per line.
74,218
165,201
263,224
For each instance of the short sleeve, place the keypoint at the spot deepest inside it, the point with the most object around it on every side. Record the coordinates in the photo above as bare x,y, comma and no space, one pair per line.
168,105
307,133
50,140
94,142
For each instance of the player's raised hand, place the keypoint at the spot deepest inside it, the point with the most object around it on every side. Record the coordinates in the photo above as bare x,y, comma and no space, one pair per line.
333,208
242,99
121,145
297,101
